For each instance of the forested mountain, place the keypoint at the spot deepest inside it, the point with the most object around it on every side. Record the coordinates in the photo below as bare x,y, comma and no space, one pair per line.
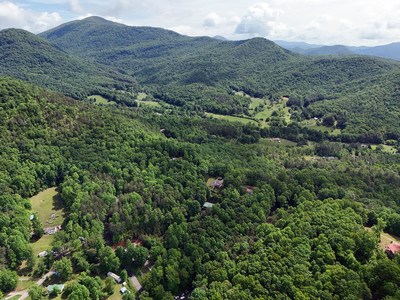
329,50
288,222
391,51
202,73
29,57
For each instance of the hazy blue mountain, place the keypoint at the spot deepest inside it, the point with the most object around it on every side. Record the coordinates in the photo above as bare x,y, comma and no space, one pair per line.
329,50
391,51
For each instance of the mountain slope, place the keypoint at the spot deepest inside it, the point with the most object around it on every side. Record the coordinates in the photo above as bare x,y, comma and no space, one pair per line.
26,56
391,51
158,56
329,50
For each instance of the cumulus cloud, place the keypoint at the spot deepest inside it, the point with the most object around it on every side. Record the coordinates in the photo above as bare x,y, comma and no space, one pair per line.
213,20
260,19
12,15
75,6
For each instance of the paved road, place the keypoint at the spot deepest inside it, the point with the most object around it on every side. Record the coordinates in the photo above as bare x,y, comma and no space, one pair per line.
24,294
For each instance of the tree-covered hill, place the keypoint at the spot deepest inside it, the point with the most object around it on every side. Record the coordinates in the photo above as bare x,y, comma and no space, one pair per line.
31,58
201,72
287,223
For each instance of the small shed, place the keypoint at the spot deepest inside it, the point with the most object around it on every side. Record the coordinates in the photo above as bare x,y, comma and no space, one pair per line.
43,254
51,287
123,290
217,183
115,277
208,204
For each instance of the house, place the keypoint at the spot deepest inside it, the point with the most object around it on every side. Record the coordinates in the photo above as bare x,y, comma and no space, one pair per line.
51,287
115,277
208,205
43,254
123,290
392,249
250,189
52,230
278,140
217,183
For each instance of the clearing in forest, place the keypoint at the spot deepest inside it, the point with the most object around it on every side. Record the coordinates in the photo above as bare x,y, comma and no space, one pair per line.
386,239
100,100
232,118
49,207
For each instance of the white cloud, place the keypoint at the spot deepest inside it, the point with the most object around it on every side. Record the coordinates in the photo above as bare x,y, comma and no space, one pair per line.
75,6
260,19
12,15
213,20
353,22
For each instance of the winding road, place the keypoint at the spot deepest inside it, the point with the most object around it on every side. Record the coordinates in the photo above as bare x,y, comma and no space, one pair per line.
24,293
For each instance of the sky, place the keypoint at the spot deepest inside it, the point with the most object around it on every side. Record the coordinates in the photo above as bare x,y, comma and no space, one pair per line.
328,22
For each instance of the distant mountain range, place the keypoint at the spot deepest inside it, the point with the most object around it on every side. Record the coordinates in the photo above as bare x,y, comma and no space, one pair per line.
97,56
390,51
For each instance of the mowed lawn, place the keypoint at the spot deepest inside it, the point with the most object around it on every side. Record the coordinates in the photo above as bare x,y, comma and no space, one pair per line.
148,103
283,143
386,239
42,244
232,118
100,100
49,207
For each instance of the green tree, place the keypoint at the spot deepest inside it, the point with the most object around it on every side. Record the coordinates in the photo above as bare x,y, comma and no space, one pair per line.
8,280
35,292
79,292
109,286
109,262
64,268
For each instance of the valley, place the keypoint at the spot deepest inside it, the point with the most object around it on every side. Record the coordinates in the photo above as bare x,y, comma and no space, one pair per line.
138,163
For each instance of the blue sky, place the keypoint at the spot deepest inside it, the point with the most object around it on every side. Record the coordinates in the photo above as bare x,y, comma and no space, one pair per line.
351,22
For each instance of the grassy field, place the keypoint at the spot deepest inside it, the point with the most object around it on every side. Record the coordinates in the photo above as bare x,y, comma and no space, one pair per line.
42,244
232,118
47,203
385,148
141,96
149,103
283,143
313,124
24,283
209,181
270,107
386,239
100,100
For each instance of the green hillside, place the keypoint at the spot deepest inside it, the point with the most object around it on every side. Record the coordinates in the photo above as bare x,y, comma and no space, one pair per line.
288,222
200,73
28,57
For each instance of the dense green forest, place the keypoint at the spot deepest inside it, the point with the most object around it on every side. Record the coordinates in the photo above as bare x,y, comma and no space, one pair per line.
202,73
28,57
290,222
204,169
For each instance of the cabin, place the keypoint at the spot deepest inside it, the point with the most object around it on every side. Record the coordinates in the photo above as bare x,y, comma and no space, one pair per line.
115,277
392,249
43,254
217,183
277,140
208,205
52,230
